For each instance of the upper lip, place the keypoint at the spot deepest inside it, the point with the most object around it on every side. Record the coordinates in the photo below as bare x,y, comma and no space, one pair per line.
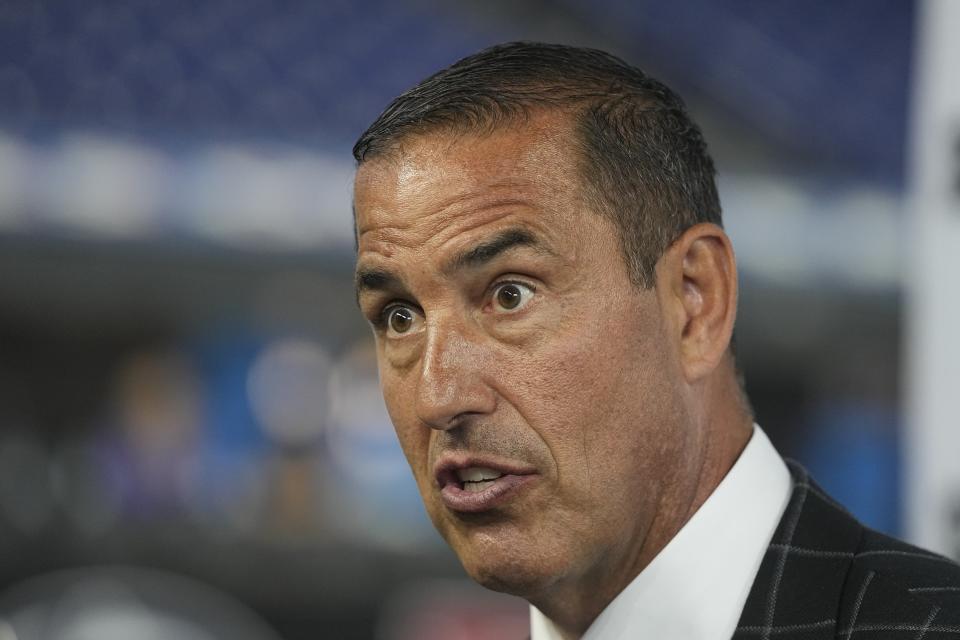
446,467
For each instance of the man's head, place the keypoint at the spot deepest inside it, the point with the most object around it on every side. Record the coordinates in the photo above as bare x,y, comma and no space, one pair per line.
642,160
552,298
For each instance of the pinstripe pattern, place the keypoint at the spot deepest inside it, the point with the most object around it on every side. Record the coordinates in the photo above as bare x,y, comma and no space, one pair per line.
827,577
926,625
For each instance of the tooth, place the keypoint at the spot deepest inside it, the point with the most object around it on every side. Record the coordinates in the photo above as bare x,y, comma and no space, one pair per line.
477,486
476,474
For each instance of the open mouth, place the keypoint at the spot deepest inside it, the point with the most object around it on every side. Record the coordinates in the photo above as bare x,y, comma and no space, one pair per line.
476,479
472,488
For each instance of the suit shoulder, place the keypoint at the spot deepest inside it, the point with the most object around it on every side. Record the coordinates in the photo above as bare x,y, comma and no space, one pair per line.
921,573
897,590
891,589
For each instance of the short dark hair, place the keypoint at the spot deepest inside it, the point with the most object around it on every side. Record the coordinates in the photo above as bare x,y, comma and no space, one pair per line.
643,160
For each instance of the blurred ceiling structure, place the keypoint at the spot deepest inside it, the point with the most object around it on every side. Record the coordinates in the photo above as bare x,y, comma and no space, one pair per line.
826,81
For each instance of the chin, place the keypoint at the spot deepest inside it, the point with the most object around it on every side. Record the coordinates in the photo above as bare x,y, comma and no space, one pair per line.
516,569
510,578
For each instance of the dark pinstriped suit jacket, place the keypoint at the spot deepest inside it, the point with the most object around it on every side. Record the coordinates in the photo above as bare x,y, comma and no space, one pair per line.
827,577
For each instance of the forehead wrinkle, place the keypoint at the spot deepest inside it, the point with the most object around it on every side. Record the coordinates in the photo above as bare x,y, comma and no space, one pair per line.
439,189
522,234
399,224
442,229
454,170
469,218
510,239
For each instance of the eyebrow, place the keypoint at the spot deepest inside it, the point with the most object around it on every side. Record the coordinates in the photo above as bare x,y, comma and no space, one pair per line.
378,279
485,252
375,279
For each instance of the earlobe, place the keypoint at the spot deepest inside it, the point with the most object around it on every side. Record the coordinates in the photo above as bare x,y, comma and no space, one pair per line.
701,277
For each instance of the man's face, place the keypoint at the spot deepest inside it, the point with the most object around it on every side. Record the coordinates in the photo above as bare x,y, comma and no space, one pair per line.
535,391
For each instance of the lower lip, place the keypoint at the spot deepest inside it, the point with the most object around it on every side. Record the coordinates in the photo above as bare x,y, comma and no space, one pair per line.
503,489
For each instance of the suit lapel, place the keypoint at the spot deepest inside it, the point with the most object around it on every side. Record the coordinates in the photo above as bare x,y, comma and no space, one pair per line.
798,589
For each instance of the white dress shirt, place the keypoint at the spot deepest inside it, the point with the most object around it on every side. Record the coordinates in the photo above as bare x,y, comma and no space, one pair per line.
696,587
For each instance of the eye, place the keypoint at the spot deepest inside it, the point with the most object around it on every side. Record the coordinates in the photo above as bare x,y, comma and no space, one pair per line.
401,320
511,296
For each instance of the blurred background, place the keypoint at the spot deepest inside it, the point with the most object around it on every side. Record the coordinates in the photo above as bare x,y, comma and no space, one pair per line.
187,391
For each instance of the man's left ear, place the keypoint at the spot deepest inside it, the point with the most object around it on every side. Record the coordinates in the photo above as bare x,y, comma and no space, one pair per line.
697,286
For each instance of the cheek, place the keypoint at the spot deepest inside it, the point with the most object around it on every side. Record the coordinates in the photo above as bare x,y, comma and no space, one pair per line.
414,438
600,394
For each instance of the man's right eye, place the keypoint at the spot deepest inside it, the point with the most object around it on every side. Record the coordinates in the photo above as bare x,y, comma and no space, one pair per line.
401,320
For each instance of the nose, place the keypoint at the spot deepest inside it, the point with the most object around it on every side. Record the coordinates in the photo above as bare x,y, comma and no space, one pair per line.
453,383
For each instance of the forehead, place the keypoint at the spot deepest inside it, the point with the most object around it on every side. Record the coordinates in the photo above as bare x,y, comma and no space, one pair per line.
445,179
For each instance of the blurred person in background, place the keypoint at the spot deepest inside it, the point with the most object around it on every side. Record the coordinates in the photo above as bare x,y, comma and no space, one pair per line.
152,453
541,257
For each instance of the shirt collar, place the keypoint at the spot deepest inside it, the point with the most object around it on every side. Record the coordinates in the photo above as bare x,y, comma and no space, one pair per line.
696,587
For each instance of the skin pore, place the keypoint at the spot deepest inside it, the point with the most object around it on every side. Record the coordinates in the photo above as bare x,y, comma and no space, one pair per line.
509,334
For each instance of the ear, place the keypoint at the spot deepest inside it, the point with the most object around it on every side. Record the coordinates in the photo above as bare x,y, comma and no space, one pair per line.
696,282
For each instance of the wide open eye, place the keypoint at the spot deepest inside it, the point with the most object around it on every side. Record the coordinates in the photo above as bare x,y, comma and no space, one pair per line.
511,296
401,320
